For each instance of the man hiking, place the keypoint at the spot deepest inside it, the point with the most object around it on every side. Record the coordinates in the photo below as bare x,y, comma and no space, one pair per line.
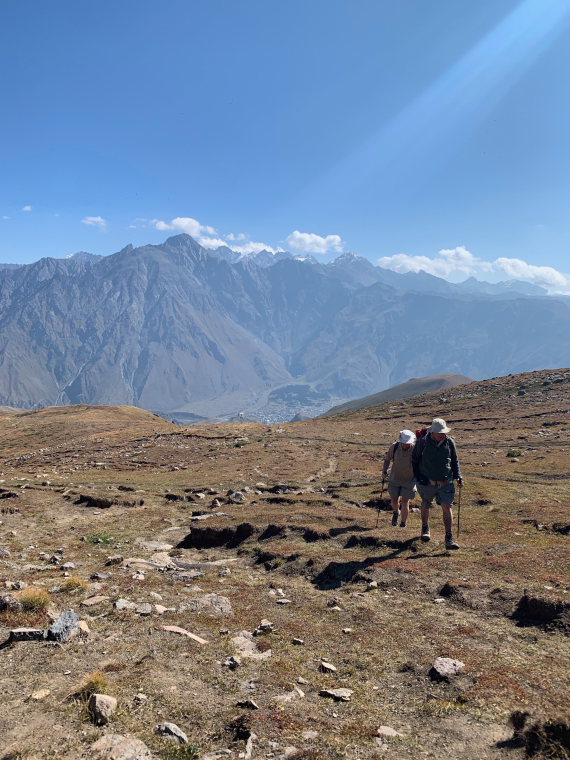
436,466
401,482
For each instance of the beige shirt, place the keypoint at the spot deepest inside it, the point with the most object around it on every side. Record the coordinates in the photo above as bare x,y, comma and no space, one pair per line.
401,473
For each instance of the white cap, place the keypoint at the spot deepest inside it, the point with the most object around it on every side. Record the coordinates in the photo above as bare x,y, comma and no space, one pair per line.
439,426
406,436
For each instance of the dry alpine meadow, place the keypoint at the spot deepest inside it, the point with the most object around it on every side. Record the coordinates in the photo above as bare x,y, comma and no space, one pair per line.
237,590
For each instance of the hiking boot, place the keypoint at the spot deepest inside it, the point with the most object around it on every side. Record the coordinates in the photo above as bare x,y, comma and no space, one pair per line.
403,524
426,535
395,516
451,543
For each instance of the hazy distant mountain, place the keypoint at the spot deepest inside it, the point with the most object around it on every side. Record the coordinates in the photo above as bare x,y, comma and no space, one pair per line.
176,328
413,387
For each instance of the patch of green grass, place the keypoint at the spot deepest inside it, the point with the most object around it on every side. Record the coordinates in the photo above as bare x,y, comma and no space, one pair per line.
100,537
172,751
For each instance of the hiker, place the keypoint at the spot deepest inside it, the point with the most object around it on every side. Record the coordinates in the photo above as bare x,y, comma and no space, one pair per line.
401,481
436,466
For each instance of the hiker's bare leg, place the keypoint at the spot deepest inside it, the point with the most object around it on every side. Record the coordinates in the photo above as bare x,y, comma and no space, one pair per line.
395,504
447,518
404,509
425,515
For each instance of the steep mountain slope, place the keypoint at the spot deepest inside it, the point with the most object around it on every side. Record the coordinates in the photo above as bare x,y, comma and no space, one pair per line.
173,327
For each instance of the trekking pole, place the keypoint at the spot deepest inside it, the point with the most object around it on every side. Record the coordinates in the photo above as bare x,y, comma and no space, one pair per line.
459,511
379,500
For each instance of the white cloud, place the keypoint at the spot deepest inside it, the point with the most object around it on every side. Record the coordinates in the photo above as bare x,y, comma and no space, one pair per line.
185,224
210,242
247,247
236,237
94,221
26,208
5,217
518,269
450,262
309,242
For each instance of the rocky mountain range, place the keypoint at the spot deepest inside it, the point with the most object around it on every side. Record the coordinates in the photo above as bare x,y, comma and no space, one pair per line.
186,331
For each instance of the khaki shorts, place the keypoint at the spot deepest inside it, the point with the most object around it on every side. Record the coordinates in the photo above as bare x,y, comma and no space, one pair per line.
406,492
442,494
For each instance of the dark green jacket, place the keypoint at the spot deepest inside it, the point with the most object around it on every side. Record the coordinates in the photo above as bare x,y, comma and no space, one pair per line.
433,462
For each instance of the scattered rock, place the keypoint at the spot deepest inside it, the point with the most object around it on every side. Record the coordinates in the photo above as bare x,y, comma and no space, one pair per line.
124,604
116,559
117,747
246,646
310,735
210,604
339,695
64,628
40,694
387,731
248,704
445,668
326,667
184,632
144,609
264,627
231,662
27,634
101,707
10,602
93,600
172,731
298,642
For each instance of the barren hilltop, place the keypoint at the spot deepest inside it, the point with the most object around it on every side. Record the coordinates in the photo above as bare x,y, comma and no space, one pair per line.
227,592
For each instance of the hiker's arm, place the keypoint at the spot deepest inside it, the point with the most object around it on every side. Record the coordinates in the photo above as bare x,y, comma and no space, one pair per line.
416,459
455,464
387,460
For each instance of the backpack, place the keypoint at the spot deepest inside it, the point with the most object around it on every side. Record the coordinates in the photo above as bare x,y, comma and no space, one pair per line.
421,432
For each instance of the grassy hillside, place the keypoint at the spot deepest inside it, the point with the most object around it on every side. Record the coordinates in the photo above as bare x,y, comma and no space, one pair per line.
306,544
416,386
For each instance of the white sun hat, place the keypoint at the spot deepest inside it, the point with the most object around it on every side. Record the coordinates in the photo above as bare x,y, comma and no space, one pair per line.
406,436
439,426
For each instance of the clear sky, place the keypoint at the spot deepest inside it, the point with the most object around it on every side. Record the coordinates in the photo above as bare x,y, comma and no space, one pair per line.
417,133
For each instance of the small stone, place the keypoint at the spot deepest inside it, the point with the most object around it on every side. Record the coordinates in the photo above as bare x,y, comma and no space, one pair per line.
444,668
298,642
183,632
139,698
160,609
231,662
64,628
116,559
138,576
93,600
334,602
124,604
4,551
68,566
387,731
84,628
248,704
310,735
326,667
347,630
302,681
10,602
117,747
339,695
172,731
99,576
101,707
144,609
27,634
40,694
283,601
266,626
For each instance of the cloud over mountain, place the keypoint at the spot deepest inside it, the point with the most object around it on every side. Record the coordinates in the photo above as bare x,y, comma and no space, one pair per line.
459,261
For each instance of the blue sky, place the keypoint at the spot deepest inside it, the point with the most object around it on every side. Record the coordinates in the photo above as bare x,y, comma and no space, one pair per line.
418,134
